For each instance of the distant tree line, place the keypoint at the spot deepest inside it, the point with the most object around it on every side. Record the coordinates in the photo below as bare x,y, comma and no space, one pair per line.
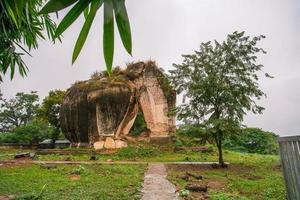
244,140
23,120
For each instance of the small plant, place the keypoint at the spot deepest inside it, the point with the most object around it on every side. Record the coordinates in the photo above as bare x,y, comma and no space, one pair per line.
184,193
79,170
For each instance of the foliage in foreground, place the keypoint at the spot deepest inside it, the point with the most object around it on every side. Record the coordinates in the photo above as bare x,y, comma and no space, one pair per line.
220,82
21,28
112,9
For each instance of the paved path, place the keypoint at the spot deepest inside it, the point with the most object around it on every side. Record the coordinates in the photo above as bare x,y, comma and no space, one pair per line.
156,186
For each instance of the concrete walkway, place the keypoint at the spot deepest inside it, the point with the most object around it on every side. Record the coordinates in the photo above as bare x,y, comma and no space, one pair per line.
156,186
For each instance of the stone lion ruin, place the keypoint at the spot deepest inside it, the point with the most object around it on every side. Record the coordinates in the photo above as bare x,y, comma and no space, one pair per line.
101,111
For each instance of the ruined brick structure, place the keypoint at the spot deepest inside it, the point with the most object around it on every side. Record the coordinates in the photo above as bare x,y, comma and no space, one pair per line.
102,110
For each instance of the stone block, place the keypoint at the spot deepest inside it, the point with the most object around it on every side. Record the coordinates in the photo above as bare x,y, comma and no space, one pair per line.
99,145
109,143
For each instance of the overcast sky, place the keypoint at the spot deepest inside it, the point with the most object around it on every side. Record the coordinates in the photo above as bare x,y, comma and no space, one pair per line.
163,30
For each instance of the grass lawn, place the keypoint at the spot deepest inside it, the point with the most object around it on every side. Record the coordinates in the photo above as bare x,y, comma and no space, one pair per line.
8,154
73,182
249,176
150,153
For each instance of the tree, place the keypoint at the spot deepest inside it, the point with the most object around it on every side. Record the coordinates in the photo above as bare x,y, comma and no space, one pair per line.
220,82
253,140
89,8
17,111
49,111
21,28
32,133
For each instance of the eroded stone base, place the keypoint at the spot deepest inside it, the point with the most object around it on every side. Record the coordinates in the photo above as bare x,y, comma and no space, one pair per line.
110,143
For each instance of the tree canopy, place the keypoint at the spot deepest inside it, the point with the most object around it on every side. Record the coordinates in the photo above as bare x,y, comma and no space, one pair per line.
21,26
17,111
253,140
220,83
49,111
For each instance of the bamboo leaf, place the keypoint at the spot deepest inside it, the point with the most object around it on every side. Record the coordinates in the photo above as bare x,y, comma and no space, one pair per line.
86,12
71,16
108,35
86,28
11,12
123,24
56,5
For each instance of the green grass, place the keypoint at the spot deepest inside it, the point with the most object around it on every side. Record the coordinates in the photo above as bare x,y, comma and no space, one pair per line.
8,154
249,176
150,153
96,181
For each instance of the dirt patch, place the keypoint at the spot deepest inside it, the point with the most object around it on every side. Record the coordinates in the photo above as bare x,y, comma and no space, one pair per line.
187,167
74,177
15,163
277,167
7,197
252,177
75,151
238,169
213,184
216,185
197,196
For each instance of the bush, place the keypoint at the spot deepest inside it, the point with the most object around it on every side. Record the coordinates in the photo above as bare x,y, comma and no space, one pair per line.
140,151
247,140
31,133
191,135
253,140
139,125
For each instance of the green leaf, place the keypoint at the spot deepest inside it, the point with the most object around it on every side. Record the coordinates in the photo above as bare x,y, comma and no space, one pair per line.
108,35
86,12
123,24
56,5
95,5
12,71
71,16
11,12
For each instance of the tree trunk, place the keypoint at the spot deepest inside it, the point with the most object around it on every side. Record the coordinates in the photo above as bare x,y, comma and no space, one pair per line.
54,137
221,161
53,143
219,138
